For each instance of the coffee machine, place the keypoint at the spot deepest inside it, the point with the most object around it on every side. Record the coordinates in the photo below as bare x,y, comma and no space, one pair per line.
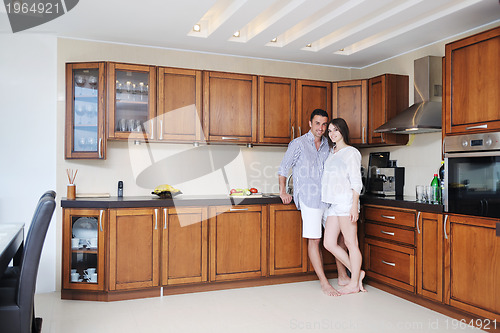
384,177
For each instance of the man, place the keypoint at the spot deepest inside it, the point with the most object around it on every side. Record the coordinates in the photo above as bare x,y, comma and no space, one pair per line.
306,156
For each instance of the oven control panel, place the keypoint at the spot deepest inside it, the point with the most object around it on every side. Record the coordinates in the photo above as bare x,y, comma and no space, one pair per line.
472,142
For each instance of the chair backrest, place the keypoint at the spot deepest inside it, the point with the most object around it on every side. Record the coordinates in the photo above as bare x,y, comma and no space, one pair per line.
32,250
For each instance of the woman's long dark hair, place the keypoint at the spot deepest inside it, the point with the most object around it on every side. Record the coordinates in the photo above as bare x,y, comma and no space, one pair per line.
341,125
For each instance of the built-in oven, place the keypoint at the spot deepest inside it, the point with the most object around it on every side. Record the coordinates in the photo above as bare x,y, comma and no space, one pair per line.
472,174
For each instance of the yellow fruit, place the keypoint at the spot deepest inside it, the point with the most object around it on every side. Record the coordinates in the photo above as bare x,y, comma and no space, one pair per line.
164,188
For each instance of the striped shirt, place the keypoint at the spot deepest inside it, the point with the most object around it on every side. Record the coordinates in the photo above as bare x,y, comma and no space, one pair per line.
307,167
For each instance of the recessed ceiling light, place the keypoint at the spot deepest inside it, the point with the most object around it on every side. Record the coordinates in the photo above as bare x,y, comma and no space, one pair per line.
309,45
274,40
236,34
197,28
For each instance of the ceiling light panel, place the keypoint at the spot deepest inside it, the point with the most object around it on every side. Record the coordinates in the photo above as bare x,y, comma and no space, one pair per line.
365,22
321,17
421,20
219,13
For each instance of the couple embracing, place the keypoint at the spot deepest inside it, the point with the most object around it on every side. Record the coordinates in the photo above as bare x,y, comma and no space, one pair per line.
327,184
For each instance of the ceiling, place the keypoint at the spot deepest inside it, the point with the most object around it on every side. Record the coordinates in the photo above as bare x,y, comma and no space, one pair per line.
344,33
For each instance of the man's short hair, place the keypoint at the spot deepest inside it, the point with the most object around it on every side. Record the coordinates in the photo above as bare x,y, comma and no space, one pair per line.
318,112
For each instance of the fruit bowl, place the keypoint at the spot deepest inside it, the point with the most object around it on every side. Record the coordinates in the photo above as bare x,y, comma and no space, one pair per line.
166,194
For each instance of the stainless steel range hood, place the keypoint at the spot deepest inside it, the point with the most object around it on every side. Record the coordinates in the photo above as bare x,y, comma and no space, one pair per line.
425,115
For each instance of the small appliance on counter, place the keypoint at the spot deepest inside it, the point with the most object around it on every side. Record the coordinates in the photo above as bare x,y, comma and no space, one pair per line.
384,177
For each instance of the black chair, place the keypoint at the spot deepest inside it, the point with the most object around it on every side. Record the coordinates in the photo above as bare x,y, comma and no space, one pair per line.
17,299
11,274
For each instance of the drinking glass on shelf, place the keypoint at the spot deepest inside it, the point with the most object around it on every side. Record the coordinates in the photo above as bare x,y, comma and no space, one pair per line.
141,90
93,84
90,111
122,125
131,125
80,82
138,125
80,112
128,86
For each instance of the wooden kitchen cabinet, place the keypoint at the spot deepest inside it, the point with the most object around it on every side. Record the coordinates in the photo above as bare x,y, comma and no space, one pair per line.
389,246
387,96
179,115
238,242
472,265
311,95
230,107
472,101
85,111
184,253
83,225
131,98
134,248
287,248
430,253
350,102
276,109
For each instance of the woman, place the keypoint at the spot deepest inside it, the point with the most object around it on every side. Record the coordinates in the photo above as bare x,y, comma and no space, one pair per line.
341,186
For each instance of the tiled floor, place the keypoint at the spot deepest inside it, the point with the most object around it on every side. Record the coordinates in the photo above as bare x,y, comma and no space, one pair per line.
293,307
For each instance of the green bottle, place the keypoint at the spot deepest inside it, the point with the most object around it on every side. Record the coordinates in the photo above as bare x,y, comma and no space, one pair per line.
436,189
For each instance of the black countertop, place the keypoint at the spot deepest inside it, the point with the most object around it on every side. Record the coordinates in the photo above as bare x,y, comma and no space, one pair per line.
217,200
401,202
180,200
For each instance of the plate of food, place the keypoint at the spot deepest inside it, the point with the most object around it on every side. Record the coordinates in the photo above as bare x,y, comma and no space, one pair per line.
166,191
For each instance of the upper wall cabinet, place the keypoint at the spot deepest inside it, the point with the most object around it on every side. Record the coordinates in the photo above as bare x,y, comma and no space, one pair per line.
85,102
276,109
311,95
350,102
179,105
387,96
230,107
131,101
472,84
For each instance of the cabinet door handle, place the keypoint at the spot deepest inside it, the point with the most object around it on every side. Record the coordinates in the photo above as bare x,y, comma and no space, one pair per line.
100,219
418,218
164,218
152,127
229,138
389,217
300,131
161,129
387,233
444,226
293,132
237,209
156,219
389,263
363,134
477,126
100,148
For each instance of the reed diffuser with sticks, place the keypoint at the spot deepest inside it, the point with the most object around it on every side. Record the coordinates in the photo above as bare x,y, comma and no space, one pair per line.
71,195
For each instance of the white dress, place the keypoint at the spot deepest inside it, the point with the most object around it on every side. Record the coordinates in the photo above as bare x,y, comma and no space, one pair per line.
341,175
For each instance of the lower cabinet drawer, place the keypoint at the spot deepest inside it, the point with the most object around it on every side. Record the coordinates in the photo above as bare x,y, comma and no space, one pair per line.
390,233
389,263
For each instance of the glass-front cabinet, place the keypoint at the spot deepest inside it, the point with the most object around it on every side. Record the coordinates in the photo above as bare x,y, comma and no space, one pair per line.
83,249
131,101
85,135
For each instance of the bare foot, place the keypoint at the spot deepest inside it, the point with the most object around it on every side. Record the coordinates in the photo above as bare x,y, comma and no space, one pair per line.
349,289
343,281
360,283
329,290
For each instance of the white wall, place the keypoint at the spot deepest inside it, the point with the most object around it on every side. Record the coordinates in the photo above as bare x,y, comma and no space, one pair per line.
28,121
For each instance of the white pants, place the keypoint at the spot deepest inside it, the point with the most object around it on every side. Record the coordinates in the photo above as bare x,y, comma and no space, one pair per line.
311,221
